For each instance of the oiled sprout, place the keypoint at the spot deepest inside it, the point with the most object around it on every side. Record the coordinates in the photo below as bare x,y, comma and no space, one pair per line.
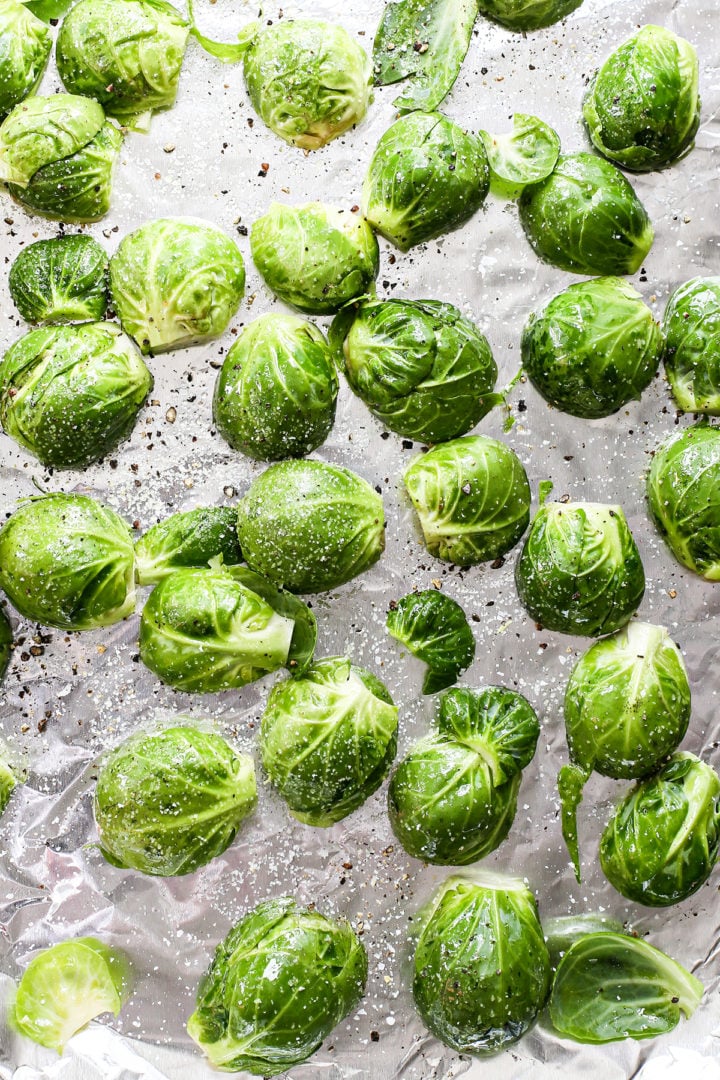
25,45
692,345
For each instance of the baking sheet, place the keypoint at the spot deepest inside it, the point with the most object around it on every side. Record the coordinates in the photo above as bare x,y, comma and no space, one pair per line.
67,697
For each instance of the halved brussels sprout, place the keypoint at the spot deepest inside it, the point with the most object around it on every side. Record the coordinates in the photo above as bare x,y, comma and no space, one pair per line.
279,983
275,395
683,491
580,571
191,538
642,108
427,177
310,526
419,365
453,797
525,156
66,986
593,348
662,841
57,155
482,970
25,45
434,628
222,627
315,257
528,14
68,561
60,280
472,497
71,394
168,802
308,80
328,739
176,282
126,54
586,218
692,345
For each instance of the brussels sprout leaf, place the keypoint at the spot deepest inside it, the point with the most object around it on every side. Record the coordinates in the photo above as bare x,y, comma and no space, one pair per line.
564,930
434,628
48,10
188,538
524,156
571,781
228,52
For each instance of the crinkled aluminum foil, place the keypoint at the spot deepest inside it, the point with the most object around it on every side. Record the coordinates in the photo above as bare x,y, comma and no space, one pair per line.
67,697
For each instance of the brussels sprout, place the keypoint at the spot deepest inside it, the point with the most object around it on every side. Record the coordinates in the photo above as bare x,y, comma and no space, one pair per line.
482,970
472,498
692,345
593,348
222,627
6,642
564,930
126,54
525,156
66,986
308,80
453,798
176,282
279,983
168,802
434,628
315,257
427,177
328,739
528,14
70,394
611,986
60,280
191,538
579,571
309,526
683,490
662,841
419,365
642,109
275,395
67,561
586,218
57,155
25,44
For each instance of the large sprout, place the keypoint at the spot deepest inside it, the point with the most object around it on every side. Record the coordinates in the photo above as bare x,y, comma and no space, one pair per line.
191,538
642,109
427,177
522,15
308,80
692,345
60,280
593,348
25,45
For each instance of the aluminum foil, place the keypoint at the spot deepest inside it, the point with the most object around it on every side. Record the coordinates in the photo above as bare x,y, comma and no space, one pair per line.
67,697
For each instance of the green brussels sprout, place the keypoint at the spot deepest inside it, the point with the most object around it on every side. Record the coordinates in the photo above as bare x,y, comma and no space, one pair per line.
452,799
328,739
310,526
594,348
525,156
60,280
528,14
191,538
586,218
176,282
482,970
67,561
580,571
662,841
66,986
308,80
168,802
420,366
218,628
315,257
427,177
434,628
57,155
275,395
126,54
25,45
683,491
279,983
71,394
611,986
692,345
6,642
642,108
472,498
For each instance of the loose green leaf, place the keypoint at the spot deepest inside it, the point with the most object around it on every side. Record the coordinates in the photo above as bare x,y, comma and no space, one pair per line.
189,538
48,10
227,52
525,15
571,781
434,628
524,156
692,345
564,930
